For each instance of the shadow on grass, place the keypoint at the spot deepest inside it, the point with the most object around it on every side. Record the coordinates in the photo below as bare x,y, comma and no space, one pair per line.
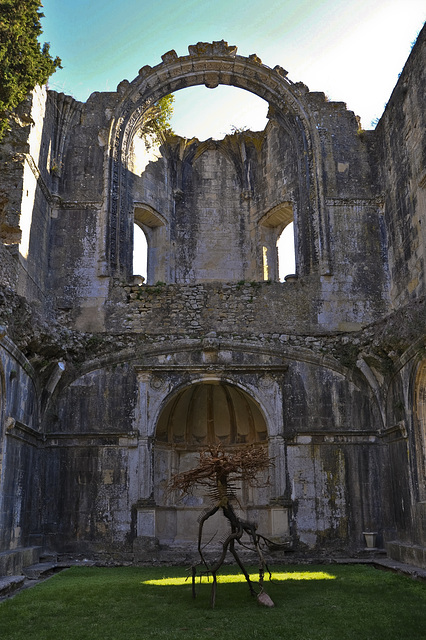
312,603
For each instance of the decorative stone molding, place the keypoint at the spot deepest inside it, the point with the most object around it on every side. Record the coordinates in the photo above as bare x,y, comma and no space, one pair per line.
219,48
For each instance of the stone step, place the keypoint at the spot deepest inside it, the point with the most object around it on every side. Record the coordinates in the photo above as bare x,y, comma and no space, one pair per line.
12,561
35,571
10,584
48,556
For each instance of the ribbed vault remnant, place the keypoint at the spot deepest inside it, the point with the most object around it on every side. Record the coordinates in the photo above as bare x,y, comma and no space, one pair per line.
207,413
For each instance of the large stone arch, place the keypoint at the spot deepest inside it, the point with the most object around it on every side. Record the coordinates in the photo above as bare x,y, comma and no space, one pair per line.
210,65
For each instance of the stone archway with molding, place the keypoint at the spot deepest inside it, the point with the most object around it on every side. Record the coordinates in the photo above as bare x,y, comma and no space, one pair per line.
211,64
175,421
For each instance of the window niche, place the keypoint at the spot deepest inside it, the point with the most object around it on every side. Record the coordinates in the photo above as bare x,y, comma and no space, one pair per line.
286,252
277,241
149,244
140,252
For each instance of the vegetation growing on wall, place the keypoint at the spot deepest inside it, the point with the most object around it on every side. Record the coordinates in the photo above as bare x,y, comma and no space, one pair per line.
24,62
159,118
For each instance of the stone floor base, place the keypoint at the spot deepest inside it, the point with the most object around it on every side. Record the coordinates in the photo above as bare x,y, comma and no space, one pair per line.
408,553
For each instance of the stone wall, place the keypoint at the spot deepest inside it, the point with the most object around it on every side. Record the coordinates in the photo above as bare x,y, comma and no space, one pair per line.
21,466
330,358
312,304
8,265
400,146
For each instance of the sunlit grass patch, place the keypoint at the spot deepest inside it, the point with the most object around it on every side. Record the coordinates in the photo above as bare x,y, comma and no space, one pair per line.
312,602
275,577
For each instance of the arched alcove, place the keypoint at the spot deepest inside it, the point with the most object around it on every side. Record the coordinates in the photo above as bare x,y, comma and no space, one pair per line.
211,65
209,414
203,414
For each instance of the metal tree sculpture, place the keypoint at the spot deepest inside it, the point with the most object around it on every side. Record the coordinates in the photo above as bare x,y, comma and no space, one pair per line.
218,470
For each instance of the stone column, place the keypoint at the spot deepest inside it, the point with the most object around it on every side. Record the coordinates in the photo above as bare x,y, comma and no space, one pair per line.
278,471
278,511
145,471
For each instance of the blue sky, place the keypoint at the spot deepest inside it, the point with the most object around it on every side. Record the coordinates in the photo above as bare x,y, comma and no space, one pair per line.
352,50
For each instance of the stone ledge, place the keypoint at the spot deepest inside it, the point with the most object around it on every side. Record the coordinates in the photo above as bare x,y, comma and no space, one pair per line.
35,571
12,561
10,584
417,573
407,554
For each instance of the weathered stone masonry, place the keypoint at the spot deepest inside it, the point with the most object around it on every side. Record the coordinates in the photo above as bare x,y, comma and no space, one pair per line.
107,387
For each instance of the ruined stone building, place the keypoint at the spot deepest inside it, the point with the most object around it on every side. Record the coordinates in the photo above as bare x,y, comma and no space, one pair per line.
109,386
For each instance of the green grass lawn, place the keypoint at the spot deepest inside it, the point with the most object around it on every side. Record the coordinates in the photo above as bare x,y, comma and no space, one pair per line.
328,602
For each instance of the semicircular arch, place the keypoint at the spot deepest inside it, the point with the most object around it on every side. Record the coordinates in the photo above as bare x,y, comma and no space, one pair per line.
210,412
210,65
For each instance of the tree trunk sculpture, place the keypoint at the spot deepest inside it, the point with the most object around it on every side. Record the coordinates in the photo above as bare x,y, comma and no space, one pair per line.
218,470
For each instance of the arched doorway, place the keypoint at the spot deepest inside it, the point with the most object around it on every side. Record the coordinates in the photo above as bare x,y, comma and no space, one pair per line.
195,417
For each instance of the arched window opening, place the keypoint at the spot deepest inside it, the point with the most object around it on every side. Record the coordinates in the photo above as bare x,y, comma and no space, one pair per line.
140,252
149,228
265,263
175,178
277,235
286,252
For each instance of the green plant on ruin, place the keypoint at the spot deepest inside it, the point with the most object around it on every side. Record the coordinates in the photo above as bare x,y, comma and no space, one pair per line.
24,63
55,167
157,120
156,288
235,130
360,133
94,342
347,354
